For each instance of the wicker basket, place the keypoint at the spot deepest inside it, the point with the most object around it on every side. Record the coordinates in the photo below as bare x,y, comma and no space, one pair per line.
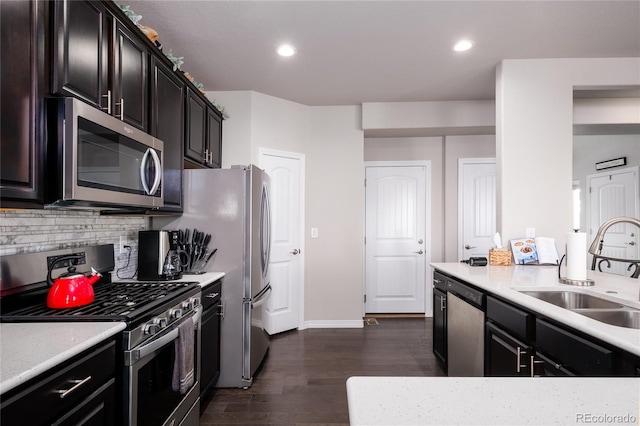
500,257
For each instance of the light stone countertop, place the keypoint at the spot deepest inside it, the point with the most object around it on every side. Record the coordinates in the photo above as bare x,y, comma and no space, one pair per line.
508,281
509,401
29,349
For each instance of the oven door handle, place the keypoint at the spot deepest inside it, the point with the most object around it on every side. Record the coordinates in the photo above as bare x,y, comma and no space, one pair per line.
131,357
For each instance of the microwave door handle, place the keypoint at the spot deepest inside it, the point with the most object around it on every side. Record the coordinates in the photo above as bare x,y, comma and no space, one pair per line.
143,167
158,177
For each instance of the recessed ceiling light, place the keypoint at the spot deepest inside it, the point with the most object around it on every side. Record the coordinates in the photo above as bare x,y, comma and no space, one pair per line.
286,50
463,45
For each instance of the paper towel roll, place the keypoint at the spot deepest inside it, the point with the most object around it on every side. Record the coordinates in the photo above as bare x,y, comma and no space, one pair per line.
576,255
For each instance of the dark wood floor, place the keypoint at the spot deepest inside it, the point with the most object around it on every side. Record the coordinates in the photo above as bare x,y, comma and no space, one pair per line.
302,381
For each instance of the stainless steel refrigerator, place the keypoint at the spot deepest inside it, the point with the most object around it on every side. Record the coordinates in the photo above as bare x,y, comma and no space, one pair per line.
233,206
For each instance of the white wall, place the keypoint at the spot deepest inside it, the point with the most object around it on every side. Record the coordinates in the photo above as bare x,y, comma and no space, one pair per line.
534,134
332,141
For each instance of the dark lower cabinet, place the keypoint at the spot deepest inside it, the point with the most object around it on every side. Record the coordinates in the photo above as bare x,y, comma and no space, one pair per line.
440,327
81,391
505,355
210,339
571,352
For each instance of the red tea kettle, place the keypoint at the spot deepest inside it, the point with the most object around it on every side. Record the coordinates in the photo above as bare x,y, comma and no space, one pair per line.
70,289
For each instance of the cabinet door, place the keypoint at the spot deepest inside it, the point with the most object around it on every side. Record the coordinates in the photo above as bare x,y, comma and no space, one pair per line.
80,51
130,64
195,145
572,352
210,336
505,356
440,327
214,138
21,144
167,124
97,410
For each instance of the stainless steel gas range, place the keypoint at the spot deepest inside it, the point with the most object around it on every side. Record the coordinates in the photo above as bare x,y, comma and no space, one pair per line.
158,355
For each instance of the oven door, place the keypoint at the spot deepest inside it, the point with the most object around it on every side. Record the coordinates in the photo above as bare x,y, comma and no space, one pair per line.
149,371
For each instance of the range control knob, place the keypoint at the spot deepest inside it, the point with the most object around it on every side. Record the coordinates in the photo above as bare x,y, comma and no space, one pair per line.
150,328
175,313
196,302
187,305
162,322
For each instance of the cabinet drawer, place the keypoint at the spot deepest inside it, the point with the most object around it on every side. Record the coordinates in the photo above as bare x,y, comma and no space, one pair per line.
211,294
573,352
439,281
87,374
510,318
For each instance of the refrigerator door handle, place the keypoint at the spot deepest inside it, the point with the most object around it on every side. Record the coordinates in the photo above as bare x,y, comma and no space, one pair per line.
261,297
265,231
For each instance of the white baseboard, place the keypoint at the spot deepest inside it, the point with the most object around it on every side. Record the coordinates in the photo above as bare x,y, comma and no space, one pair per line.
334,324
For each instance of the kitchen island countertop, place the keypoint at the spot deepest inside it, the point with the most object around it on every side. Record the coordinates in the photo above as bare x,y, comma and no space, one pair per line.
29,349
508,282
492,401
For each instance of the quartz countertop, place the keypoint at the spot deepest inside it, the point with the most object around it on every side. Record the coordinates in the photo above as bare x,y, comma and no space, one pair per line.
204,279
29,349
508,282
492,401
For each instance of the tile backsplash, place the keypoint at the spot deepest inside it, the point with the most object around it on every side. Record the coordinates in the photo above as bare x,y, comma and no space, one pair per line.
24,231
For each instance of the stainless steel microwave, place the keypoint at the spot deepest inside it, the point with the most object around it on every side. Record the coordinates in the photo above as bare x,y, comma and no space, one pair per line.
100,161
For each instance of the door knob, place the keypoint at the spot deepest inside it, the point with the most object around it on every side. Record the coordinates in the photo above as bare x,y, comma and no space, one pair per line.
294,252
419,251
468,247
420,241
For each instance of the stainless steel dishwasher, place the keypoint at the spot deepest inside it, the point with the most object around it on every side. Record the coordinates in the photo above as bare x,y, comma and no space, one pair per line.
465,330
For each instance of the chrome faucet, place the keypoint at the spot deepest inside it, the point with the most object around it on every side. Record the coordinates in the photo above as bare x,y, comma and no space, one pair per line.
596,246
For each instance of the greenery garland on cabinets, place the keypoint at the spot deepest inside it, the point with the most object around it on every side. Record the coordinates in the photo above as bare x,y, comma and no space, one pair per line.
177,61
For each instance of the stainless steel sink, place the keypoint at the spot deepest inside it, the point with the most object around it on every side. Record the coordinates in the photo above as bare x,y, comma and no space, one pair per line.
594,307
629,318
573,300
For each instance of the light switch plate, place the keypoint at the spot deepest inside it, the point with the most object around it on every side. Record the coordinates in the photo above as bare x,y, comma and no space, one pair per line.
314,232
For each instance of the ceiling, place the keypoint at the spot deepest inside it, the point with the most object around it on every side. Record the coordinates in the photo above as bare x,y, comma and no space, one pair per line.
350,52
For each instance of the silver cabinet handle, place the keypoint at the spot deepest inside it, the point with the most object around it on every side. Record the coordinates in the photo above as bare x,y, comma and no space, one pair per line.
212,295
533,363
294,252
419,251
108,96
468,247
121,109
519,364
443,304
77,384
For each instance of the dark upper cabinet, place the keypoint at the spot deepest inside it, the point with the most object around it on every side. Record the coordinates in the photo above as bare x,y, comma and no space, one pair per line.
22,25
196,132
214,138
130,65
97,59
80,66
167,124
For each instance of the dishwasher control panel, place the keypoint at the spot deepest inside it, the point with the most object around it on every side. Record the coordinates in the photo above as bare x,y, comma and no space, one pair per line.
469,294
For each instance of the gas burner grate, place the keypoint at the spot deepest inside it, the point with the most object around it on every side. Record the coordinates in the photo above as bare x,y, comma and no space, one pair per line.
120,301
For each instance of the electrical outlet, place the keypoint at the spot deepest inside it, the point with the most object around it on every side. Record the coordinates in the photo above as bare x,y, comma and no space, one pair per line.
314,232
123,242
530,233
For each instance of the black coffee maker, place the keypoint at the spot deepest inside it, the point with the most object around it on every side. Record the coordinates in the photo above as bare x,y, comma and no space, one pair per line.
159,257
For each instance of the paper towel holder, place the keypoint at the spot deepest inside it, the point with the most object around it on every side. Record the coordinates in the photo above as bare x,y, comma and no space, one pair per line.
564,280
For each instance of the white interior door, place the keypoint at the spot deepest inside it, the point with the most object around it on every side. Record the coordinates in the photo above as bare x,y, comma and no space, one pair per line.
476,207
614,194
396,240
284,307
